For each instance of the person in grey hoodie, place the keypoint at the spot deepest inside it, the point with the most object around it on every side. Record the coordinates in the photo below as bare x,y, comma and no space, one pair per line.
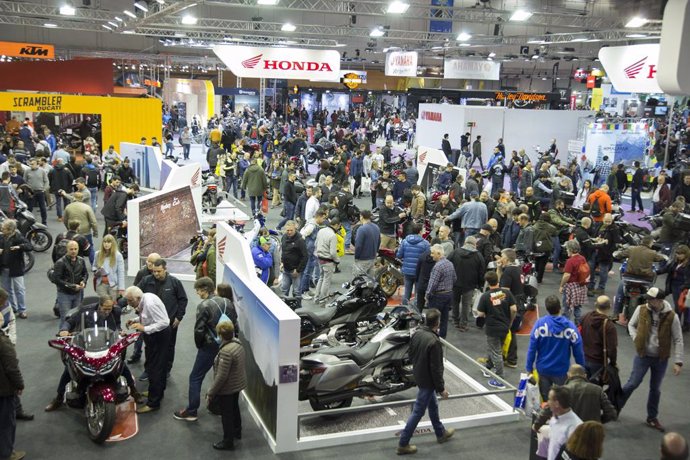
37,179
654,329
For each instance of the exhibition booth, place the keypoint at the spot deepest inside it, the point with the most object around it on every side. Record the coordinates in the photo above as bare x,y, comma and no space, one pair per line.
519,128
191,97
122,119
269,330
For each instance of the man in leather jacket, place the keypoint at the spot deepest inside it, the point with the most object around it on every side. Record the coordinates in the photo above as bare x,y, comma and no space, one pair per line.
208,314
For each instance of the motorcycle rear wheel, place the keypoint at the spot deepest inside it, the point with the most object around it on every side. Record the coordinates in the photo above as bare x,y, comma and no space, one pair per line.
388,283
29,261
40,240
100,420
316,405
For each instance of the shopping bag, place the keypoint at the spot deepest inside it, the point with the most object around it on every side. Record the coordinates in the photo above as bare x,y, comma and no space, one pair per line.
532,401
352,184
366,183
506,344
264,203
521,391
475,302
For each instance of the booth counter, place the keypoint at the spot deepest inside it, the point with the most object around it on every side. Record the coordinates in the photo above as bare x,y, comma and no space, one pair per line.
123,119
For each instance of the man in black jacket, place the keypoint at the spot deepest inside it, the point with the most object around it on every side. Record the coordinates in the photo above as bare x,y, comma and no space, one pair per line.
11,386
70,275
469,266
208,315
290,200
293,258
608,237
126,173
115,209
389,217
171,292
12,248
445,146
636,187
426,354
60,179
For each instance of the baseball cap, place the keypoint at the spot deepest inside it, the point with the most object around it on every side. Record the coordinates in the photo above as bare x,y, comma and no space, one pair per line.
473,194
655,293
487,227
263,240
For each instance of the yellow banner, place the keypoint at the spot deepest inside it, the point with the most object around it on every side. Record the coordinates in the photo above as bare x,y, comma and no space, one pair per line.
597,98
27,50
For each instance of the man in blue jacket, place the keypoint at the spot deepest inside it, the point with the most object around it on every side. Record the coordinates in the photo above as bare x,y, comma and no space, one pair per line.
367,242
552,340
263,260
356,171
411,249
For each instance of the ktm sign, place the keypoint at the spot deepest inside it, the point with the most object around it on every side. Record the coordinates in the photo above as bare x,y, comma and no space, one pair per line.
27,50
632,69
283,63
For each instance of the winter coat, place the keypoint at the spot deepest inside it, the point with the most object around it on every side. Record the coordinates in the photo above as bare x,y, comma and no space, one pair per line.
510,233
552,340
60,179
593,338
470,266
426,354
208,313
254,181
263,262
412,247
11,379
13,260
229,376
294,253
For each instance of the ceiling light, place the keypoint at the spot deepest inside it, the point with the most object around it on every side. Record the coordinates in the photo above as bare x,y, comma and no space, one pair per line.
536,41
189,20
465,44
536,56
127,31
637,22
161,2
593,40
492,54
113,24
106,27
287,27
130,14
142,6
340,45
67,10
521,15
489,59
578,39
267,2
397,7
377,32
118,19
50,25
464,36
636,36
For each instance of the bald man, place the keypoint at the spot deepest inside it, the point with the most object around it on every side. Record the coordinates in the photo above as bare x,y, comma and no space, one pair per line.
674,447
141,274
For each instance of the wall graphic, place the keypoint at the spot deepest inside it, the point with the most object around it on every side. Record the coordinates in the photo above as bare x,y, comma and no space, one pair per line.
146,162
169,211
621,142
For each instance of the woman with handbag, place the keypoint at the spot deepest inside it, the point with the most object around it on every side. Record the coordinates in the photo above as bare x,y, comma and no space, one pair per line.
229,379
109,269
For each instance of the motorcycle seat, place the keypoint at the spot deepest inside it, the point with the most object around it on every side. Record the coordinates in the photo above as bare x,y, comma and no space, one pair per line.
319,317
637,279
360,356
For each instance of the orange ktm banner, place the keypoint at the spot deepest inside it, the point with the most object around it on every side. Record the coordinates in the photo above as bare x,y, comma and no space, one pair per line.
27,50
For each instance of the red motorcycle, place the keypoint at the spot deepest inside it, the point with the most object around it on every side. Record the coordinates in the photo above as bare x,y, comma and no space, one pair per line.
95,360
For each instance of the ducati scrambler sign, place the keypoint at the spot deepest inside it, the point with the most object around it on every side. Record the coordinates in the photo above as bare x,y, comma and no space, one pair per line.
27,50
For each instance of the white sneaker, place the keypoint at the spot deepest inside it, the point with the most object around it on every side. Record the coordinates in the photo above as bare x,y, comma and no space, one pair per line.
307,297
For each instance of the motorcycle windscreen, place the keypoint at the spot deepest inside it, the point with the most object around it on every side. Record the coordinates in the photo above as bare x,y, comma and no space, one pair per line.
97,339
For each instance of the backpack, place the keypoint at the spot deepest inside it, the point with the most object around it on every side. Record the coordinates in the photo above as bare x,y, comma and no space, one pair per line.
8,204
92,176
542,240
60,248
596,208
583,272
223,317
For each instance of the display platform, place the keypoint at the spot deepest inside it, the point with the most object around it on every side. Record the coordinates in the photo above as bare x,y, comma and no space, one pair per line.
225,211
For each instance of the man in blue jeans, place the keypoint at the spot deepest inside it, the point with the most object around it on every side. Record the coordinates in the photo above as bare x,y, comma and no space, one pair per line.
426,354
290,200
655,330
209,313
70,276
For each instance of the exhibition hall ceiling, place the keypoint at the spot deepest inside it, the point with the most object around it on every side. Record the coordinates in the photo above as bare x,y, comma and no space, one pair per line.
523,34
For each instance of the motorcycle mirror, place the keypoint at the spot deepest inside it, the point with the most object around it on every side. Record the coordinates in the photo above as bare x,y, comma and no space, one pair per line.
346,285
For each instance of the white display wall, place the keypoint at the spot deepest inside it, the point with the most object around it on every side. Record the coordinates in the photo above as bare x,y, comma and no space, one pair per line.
519,128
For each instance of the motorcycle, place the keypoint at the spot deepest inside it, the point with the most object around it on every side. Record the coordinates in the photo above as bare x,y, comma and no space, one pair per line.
388,269
120,233
332,377
95,359
529,280
38,235
209,192
360,304
634,289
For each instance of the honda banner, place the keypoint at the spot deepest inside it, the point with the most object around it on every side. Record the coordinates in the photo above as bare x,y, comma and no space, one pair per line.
471,69
401,64
286,63
632,69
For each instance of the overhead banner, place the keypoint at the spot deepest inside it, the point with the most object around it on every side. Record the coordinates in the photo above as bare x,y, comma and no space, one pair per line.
287,63
353,78
27,50
469,69
632,69
401,64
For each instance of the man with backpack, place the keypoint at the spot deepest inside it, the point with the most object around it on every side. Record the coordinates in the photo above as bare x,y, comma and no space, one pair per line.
574,281
543,233
212,310
92,176
600,203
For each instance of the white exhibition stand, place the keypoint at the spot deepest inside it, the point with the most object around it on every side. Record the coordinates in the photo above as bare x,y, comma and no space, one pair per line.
270,332
519,128
146,162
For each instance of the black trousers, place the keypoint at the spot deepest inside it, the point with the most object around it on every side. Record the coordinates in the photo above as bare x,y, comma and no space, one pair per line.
541,262
156,364
230,416
171,348
8,425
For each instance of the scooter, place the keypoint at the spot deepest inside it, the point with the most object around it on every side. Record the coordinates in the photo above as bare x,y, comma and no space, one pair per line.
37,233
95,361
360,304
209,192
388,269
332,377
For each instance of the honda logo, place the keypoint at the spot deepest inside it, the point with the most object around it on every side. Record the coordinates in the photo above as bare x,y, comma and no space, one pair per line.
220,251
251,62
633,69
195,178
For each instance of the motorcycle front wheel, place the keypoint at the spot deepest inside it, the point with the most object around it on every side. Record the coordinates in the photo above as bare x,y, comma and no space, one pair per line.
40,239
29,261
389,284
100,419
317,405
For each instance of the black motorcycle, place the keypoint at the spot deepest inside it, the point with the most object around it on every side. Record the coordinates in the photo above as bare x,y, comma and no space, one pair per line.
341,319
37,233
